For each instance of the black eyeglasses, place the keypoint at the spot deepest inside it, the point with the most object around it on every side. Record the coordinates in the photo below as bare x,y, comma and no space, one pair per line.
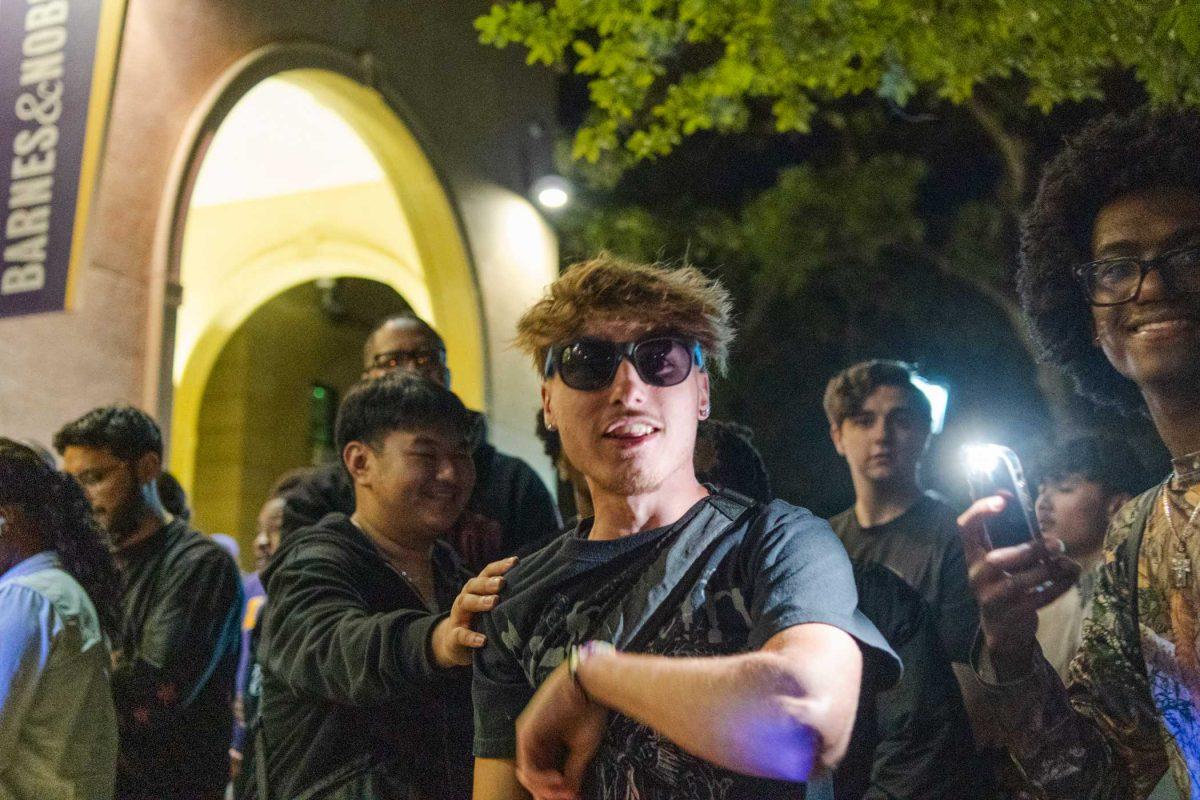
409,359
591,364
1112,281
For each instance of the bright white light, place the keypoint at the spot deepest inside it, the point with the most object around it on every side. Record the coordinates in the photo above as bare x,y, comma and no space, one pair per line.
552,192
553,198
938,397
982,458
280,140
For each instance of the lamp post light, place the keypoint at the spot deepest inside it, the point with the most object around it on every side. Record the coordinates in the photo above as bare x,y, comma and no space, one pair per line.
551,192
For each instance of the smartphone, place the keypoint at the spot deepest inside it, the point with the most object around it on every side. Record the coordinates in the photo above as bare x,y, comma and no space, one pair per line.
993,469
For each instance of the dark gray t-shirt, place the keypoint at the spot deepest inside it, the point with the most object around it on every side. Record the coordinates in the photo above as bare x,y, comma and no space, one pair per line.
923,547
774,567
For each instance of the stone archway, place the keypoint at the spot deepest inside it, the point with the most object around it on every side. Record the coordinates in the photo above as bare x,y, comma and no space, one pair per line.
414,246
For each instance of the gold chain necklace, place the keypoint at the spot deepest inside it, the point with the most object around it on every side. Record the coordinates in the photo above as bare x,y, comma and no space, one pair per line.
1181,563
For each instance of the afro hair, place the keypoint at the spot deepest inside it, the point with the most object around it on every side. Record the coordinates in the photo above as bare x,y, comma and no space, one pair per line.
1114,156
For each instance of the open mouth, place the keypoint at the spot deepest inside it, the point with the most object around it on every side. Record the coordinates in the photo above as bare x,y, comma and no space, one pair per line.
630,432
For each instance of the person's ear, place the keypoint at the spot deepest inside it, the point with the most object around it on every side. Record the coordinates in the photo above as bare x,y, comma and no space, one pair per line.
1115,501
147,468
547,413
359,461
835,433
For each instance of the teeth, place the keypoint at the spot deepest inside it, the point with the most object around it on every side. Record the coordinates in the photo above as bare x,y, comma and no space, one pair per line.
636,429
1165,324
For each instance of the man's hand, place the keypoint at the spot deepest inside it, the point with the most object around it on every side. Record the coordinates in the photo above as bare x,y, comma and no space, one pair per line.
453,640
1011,584
557,735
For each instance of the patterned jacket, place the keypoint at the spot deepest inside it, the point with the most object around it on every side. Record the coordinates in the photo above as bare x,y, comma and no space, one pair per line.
1131,706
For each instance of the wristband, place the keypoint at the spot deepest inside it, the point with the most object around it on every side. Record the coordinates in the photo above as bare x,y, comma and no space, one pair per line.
579,653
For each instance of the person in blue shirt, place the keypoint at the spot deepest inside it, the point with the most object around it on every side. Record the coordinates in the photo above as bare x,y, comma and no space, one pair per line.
59,600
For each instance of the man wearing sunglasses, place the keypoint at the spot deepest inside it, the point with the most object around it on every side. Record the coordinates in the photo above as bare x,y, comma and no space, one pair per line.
684,642
510,507
1110,277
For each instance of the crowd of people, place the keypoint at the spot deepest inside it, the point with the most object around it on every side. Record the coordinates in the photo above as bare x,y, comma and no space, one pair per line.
421,624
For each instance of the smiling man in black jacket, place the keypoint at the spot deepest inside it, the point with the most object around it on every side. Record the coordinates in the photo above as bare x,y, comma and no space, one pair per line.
367,632
509,507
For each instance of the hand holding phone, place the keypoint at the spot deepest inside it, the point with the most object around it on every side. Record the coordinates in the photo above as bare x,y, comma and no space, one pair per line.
994,469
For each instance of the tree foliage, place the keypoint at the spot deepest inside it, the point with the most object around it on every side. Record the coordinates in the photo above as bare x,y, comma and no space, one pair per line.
660,70
890,227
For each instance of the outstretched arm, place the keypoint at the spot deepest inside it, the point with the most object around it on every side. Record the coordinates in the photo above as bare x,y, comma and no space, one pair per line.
776,713
496,779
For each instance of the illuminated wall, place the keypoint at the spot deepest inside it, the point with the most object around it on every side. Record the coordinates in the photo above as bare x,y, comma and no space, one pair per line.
445,120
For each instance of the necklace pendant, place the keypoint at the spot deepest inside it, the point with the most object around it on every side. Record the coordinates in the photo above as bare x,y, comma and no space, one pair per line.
1181,572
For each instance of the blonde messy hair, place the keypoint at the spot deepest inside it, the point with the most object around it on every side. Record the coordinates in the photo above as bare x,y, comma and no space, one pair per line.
680,300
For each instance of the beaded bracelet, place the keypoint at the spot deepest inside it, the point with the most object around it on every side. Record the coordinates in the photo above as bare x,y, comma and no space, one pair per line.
578,653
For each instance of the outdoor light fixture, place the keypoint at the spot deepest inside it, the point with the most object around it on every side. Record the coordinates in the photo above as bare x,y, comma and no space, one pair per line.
938,397
552,192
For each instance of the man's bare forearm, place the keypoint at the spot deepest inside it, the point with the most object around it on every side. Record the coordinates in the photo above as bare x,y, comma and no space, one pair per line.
768,713
496,779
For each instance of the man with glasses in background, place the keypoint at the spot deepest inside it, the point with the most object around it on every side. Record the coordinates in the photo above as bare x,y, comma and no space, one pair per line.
1110,277
685,642
510,506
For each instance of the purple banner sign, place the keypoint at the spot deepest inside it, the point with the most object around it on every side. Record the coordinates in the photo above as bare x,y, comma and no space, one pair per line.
57,59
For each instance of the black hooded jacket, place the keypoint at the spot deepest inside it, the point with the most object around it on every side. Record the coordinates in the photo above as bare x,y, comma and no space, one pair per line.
348,672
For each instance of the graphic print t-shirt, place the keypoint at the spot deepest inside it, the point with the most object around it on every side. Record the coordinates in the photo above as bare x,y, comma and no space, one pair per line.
776,567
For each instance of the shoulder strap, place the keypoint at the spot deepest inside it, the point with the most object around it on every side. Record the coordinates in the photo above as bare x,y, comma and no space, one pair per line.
656,590
260,761
1129,562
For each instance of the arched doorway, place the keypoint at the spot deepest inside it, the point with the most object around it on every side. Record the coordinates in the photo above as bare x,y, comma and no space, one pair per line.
305,175
269,401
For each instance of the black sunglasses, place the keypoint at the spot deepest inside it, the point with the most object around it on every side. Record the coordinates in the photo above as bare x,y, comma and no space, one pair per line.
591,364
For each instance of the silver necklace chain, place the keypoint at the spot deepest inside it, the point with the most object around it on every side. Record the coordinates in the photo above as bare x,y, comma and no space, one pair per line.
1181,562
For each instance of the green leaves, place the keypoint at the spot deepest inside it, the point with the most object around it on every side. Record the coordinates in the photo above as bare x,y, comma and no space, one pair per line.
661,70
848,214
813,219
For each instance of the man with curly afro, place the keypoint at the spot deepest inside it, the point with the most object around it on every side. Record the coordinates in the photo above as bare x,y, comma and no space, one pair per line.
1110,279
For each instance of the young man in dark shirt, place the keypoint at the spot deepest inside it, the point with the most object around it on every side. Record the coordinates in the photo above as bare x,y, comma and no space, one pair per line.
177,650
912,740
682,642
509,507
880,423
366,635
